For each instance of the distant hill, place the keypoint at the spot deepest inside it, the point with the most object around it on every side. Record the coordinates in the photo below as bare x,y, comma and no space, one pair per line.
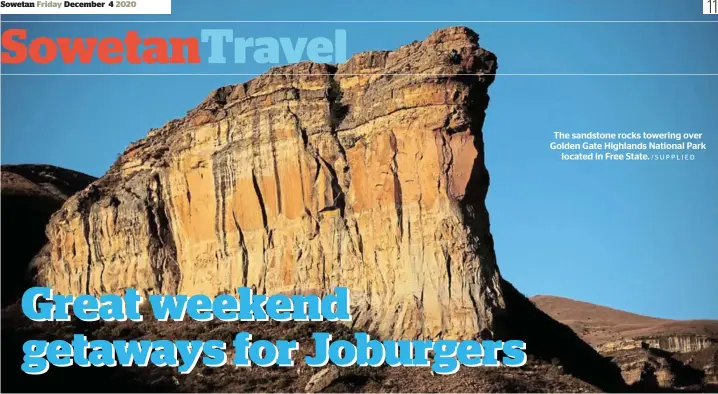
31,193
650,351
598,324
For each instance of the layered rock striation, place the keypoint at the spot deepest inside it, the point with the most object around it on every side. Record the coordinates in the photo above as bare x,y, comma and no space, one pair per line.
369,174
674,343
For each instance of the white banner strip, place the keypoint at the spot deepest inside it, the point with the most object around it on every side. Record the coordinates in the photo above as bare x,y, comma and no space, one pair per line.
84,7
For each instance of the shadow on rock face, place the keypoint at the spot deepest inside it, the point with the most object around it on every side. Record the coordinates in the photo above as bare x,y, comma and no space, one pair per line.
684,375
30,195
23,234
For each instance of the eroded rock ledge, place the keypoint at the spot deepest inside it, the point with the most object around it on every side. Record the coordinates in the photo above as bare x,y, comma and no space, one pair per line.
369,174
678,343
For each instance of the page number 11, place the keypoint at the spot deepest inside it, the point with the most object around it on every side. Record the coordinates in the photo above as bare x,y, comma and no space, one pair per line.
710,7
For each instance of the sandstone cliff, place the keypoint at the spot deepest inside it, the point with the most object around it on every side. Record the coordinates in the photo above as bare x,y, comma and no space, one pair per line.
369,174
30,194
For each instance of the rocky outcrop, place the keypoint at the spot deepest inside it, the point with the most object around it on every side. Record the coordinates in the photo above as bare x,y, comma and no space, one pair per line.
651,369
323,379
31,193
369,174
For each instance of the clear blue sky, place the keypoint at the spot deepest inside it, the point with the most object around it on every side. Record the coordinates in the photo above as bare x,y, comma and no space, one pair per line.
639,236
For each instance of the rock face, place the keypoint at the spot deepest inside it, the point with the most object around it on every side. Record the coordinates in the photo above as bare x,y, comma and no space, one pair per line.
649,369
368,175
31,193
